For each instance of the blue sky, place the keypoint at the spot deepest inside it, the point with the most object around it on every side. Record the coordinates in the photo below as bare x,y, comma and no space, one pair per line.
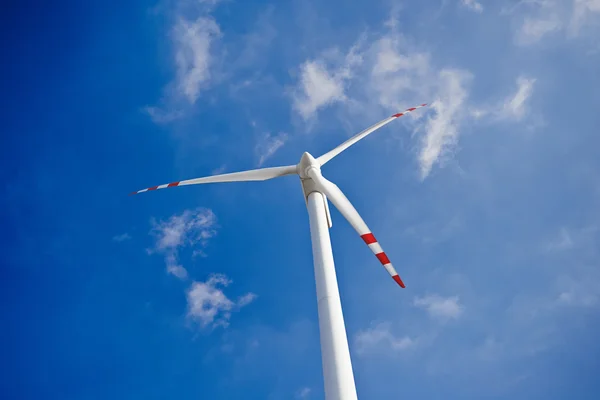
486,202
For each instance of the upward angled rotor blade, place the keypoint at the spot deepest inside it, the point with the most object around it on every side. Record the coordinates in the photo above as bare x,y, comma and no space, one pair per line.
332,153
251,175
341,202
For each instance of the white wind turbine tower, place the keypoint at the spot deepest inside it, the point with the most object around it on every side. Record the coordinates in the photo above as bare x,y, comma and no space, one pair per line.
337,366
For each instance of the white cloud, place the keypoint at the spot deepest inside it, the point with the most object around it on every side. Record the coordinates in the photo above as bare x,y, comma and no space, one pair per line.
268,145
534,29
246,299
473,5
190,228
398,74
442,130
303,393
582,11
321,86
174,268
544,17
443,308
209,306
122,237
160,116
392,75
192,41
578,298
515,105
564,241
381,338
511,108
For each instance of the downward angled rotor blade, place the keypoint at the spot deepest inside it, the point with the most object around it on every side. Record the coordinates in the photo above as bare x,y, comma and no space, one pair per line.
332,153
251,175
339,200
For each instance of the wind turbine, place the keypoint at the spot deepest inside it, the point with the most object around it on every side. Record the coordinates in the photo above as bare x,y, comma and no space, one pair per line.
337,366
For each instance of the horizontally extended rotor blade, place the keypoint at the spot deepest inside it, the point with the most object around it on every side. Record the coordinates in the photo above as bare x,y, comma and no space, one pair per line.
341,202
332,153
250,175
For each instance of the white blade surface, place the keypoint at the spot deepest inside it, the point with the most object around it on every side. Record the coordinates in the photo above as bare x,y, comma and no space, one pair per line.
332,153
243,176
341,202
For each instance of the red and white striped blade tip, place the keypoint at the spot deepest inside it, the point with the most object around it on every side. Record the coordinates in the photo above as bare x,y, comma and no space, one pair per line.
409,110
167,185
399,281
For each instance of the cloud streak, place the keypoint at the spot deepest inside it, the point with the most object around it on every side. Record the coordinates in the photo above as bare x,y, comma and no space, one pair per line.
268,146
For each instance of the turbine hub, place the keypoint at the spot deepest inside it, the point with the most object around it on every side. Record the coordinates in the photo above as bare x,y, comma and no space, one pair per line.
307,162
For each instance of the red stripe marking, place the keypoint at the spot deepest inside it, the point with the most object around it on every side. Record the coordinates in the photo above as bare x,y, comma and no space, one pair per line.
398,115
173,184
368,238
411,109
424,105
153,188
132,193
383,258
398,281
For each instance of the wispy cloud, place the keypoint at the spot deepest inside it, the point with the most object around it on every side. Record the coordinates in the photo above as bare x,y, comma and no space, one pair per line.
208,306
380,338
564,241
583,12
190,228
441,132
442,308
303,393
192,41
515,105
473,5
162,116
544,17
393,74
268,145
320,85
122,237
534,29
192,44
571,238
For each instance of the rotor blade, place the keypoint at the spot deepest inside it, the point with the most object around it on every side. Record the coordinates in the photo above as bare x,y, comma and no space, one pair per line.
332,153
341,202
251,175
